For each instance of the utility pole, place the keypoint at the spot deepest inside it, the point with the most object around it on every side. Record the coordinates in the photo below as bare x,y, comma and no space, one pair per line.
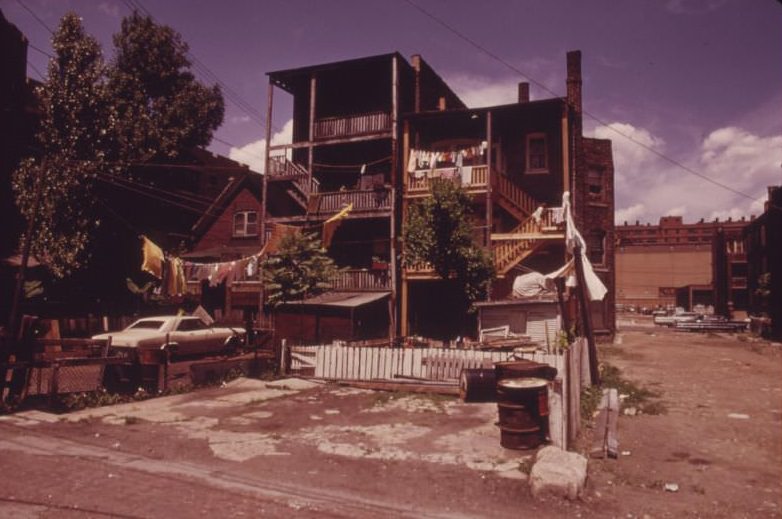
13,320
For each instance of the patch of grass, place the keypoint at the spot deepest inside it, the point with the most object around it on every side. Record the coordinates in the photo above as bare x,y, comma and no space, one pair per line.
645,400
590,399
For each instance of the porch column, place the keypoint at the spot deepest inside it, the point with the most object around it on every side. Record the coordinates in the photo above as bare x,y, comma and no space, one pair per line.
313,85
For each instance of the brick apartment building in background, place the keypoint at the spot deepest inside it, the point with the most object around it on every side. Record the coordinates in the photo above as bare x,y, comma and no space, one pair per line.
764,262
683,264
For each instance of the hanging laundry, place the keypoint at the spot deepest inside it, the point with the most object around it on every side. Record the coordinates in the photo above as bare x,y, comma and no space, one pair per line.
330,225
152,258
412,162
466,173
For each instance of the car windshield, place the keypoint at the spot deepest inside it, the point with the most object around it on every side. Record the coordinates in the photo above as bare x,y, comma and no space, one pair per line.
146,325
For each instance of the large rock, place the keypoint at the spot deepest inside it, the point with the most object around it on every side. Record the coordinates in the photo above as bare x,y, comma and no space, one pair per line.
558,473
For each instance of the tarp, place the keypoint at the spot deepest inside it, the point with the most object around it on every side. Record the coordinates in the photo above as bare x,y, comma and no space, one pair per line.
535,283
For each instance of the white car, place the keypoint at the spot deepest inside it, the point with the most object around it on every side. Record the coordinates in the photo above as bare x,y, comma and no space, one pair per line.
181,335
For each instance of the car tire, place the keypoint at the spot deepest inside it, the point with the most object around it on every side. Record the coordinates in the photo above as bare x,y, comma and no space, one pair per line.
232,346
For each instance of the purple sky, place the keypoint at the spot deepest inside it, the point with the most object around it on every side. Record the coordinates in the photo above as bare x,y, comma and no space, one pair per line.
700,81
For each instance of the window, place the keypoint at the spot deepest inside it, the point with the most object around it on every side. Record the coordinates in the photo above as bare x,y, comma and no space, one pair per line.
595,185
537,156
596,246
246,223
190,325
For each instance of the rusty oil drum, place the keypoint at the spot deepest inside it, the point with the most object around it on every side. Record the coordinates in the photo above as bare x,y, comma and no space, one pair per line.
522,404
478,385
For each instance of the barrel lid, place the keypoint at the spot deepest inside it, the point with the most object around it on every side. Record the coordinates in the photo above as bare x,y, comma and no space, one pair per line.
522,383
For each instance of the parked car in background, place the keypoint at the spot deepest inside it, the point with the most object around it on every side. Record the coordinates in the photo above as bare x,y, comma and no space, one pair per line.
179,334
680,317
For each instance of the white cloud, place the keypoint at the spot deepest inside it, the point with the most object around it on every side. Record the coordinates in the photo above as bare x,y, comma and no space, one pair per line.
478,91
630,214
648,186
109,8
253,154
632,155
693,6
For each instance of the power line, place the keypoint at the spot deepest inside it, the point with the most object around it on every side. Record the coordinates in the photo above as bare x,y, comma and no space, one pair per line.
45,26
587,113
35,69
39,50
231,94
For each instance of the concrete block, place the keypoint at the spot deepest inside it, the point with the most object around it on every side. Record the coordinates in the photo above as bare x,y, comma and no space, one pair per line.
558,473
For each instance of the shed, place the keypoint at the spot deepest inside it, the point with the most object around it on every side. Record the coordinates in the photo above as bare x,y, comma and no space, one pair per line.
334,316
538,318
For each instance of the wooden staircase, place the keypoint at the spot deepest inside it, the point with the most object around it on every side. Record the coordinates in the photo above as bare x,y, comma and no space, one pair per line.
510,252
513,199
302,185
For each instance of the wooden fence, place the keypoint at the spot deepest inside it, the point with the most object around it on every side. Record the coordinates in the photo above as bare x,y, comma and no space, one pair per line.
337,362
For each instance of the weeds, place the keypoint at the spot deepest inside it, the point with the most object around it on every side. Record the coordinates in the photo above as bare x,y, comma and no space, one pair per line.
643,399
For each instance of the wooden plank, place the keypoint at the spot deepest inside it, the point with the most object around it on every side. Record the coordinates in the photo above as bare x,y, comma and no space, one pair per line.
598,449
557,426
612,441
438,389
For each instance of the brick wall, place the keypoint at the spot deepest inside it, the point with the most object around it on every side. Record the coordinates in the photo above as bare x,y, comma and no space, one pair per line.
597,212
221,232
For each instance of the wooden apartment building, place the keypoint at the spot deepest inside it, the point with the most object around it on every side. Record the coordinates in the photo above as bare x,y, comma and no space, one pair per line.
373,133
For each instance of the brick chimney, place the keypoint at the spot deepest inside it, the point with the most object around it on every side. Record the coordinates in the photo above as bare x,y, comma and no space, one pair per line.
523,92
574,80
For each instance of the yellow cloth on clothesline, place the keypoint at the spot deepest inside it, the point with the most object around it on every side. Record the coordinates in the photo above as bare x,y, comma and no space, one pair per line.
152,258
330,225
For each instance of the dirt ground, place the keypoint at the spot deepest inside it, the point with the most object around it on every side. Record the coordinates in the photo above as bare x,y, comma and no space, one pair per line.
719,439
295,448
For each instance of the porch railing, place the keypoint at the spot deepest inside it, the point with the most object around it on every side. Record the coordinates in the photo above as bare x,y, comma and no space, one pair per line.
330,127
364,200
361,279
421,182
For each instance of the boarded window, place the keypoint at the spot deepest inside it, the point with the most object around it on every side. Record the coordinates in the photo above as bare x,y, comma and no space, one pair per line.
595,185
596,246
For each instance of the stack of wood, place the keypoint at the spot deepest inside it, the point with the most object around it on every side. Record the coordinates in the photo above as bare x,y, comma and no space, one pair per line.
509,343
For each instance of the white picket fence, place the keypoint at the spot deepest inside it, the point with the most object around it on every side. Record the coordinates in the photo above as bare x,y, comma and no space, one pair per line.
337,362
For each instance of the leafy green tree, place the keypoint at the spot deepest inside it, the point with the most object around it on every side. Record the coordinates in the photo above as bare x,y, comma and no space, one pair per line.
299,269
55,187
160,108
98,120
438,232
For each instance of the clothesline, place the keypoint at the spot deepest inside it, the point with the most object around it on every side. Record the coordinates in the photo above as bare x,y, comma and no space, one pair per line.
174,273
429,159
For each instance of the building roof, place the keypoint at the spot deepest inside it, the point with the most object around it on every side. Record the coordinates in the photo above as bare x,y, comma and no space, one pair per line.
286,79
342,299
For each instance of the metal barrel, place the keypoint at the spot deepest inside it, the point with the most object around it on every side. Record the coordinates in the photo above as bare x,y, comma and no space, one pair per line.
478,385
523,369
522,404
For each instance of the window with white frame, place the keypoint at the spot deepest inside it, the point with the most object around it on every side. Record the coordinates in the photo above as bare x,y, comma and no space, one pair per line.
537,153
245,223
